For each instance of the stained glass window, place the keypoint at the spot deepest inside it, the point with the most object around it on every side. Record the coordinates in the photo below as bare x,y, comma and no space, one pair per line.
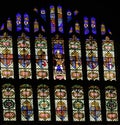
92,59
94,104
78,103
61,108
6,56
43,14
41,55
93,25
18,22
8,102
69,16
24,56
77,27
36,25
26,22
26,102
60,19
103,29
75,58
111,104
9,24
108,59
58,58
44,105
86,26
52,19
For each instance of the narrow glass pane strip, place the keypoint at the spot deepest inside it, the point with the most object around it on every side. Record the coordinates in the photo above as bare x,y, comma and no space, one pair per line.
75,58
41,55
6,56
24,57
108,59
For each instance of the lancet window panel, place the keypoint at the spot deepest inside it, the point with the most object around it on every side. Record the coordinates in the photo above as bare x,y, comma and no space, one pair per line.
75,58
41,56
26,102
78,107
111,103
44,104
94,104
8,102
6,56
59,71
92,59
24,57
61,106
108,59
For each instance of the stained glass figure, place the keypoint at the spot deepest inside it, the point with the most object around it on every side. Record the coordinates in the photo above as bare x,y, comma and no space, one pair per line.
59,71
26,103
44,105
92,59
41,56
78,103
6,56
61,108
8,102
94,104
108,59
24,56
75,58
111,103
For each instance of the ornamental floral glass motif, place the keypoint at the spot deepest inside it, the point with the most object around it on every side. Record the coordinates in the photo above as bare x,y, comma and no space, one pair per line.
41,55
6,56
44,106
59,71
75,58
8,102
111,103
78,103
26,103
24,56
108,59
61,108
92,59
94,104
